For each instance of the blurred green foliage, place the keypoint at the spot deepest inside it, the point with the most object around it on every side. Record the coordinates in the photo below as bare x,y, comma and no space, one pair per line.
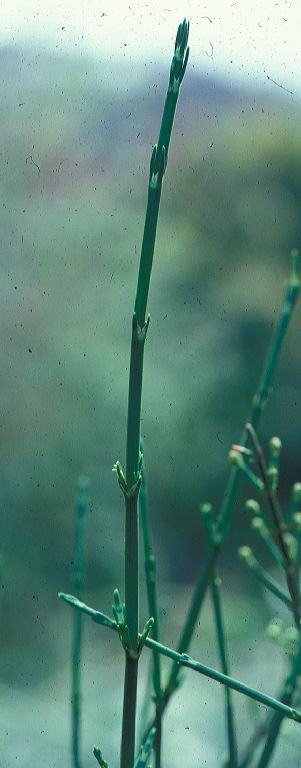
75,154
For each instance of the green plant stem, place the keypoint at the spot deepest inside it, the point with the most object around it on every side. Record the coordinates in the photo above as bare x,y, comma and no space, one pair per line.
223,652
158,166
78,580
263,577
252,745
139,330
187,661
290,569
292,577
291,292
151,585
286,696
129,706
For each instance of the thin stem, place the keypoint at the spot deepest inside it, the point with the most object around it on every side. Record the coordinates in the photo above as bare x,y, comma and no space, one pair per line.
139,329
187,661
286,696
150,573
215,585
129,707
223,652
291,291
290,569
247,556
78,580
158,166
188,628
264,388
292,578
253,743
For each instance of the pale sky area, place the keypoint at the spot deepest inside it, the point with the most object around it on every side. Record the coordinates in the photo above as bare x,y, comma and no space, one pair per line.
257,41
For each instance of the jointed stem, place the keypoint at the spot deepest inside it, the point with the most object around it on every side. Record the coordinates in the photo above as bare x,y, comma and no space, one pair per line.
223,652
151,585
291,572
286,696
157,169
129,709
78,578
291,291
292,577
187,661
131,483
246,555
188,628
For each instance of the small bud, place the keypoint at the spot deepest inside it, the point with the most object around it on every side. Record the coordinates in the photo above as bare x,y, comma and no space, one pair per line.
259,525
253,507
290,641
296,492
275,628
246,554
275,446
118,607
297,520
206,510
272,474
236,459
292,546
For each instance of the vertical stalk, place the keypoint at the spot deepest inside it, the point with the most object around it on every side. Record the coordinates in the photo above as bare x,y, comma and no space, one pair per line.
290,568
215,585
263,391
150,573
223,652
291,292
131,483
286,697
78,580
292,578
129,712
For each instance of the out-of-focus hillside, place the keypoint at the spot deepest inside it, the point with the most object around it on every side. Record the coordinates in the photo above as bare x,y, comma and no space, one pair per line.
75,150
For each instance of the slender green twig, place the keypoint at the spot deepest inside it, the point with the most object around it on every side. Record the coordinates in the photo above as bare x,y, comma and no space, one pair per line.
150,573
78,580
246,555
97,753
130,484
186,661
253,743
259,525
292,578
290,569
215,585
223,652
145,750
295,502
286,696
158,165
291,292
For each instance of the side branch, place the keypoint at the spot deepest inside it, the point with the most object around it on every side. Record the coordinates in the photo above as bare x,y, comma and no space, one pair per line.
184,660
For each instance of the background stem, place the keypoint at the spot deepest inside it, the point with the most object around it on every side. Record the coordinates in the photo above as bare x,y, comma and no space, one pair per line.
223,652
151,585
78,580
291,292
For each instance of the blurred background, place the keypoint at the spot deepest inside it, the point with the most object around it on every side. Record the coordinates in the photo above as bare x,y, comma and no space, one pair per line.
81,96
